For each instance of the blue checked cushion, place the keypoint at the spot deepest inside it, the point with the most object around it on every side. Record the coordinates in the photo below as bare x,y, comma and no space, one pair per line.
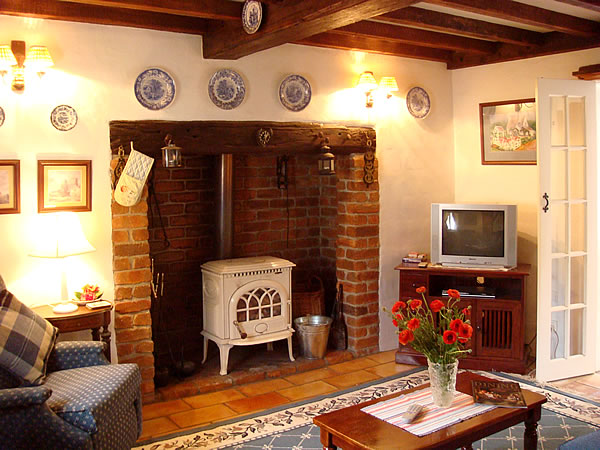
26,340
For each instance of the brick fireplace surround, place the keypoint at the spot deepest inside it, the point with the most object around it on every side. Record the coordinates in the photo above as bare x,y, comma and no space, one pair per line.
326,225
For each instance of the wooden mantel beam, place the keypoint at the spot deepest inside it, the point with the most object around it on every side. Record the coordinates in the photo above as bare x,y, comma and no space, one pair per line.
291,21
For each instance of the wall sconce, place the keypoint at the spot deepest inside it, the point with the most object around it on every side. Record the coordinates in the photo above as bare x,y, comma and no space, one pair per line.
388,85
326,161
367,83
38,59
171,154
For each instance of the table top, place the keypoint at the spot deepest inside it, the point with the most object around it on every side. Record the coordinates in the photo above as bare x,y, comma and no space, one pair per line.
367,431
82,311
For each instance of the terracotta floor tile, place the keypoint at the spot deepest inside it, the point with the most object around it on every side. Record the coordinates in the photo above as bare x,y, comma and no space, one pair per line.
590,380
388,369
260,402
354,365
262,387
154,410
213,398
157,427
351,379
307,390
201,416
383,357
313,375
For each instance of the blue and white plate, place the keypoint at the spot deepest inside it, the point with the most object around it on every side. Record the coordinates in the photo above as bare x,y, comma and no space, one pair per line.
251,16
63,117
295,93
418,103
1,116
226,89
154,89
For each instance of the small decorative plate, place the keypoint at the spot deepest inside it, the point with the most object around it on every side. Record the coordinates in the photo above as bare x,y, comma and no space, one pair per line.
251,16
63,117
1,116
154,89
226,89
418,103
295,93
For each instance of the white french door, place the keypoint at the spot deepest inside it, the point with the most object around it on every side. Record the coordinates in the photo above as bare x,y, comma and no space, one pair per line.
567,229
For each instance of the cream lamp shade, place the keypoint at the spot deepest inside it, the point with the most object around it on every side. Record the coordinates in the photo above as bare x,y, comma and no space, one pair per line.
367,81
59,235
388,85
7,59
38,58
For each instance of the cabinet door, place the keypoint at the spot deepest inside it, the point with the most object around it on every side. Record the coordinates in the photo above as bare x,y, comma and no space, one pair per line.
409,282
498,330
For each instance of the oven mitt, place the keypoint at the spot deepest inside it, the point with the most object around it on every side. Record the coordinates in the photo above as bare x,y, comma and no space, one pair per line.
132,180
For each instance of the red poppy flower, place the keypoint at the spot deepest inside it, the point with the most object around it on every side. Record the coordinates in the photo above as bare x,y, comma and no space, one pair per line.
453,293
436,305
398,305
413,323
466,312
421,290
397,319
449,337
405,336
455,325
465,331
415,304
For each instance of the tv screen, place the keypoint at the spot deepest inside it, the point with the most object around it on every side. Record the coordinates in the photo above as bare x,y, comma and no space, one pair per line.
472,233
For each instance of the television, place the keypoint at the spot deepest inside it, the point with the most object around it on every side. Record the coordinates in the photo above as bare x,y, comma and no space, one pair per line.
481,236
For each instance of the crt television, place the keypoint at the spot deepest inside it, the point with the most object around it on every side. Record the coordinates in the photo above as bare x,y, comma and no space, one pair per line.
474,235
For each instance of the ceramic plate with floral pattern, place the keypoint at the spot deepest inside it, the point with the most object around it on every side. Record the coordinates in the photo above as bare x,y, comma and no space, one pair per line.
154,89
251,16
1,116
226,89
418,103
295,93
64,117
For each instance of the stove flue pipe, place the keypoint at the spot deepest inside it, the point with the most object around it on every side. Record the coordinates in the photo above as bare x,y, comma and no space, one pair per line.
225,206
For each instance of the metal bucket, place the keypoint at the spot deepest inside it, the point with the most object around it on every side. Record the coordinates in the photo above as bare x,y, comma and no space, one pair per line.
313,333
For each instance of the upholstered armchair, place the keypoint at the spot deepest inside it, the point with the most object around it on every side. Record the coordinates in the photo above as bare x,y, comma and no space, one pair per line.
68,396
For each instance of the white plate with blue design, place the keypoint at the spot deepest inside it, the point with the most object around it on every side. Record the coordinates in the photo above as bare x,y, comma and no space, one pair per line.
226,89
418,102
1,116
154,89
295,92
63,117
251,16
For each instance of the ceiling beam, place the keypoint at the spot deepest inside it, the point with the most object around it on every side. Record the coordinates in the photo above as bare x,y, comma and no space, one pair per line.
292,20
418,37
527,14
447,23
58,10
592,5
203,9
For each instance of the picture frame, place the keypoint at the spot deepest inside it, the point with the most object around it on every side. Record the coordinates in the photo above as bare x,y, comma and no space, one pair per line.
10,186
508,132
64,185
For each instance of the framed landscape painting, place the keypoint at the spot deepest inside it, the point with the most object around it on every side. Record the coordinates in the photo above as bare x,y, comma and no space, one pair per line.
64,186
508,132
10,189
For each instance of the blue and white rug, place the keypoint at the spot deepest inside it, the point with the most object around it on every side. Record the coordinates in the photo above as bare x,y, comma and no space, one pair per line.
564,416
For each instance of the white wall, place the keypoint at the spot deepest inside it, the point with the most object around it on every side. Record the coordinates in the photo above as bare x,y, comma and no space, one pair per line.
95,69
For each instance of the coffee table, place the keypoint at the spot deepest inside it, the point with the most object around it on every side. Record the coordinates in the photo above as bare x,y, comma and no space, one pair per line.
351,428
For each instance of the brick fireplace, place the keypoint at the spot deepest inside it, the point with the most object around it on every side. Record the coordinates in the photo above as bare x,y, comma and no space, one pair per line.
327,225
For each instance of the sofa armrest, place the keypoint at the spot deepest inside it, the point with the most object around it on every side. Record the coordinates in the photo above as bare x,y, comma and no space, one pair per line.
75,354
24,396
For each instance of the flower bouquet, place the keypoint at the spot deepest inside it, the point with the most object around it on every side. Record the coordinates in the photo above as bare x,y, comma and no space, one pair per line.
89,293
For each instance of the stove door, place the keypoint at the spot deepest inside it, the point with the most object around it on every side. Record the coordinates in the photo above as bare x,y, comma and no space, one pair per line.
260,307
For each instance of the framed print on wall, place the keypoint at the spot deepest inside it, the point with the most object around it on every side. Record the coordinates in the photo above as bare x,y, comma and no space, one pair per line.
508,132
64,186
10,187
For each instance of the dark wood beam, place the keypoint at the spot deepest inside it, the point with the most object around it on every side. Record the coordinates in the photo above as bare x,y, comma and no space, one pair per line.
58,10
593,5
447,23
522,13
290,21
588,72
203,9
337,40
418,37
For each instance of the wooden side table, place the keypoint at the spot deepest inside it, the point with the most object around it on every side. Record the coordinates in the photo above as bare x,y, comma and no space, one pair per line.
96,320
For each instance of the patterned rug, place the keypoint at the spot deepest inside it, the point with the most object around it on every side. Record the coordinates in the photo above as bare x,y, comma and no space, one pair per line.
564,417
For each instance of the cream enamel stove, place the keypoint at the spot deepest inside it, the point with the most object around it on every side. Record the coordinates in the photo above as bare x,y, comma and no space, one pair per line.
246,301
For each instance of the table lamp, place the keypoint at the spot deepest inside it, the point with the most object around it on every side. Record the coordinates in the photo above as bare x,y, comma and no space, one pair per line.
60,236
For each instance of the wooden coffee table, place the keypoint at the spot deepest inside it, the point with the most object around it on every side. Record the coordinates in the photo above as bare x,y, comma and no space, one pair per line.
350,428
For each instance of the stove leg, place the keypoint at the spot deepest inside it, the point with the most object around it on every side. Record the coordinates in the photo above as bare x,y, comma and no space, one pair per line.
289,339
205,347
224,353
269,346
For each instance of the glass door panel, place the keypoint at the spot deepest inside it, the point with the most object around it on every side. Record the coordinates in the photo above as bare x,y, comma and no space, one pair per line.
576,121
577,177
558,132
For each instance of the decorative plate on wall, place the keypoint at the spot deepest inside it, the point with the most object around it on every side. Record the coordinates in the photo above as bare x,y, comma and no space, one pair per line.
295,93
63,117
226,89
154,89
418,103
251,16
1,116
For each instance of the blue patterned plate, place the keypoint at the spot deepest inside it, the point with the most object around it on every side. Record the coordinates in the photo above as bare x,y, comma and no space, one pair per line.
226,89
418,103
251,16
154,89
63,117
1,116
295,93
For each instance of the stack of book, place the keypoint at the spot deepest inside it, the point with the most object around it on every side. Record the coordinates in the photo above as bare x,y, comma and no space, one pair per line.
414,257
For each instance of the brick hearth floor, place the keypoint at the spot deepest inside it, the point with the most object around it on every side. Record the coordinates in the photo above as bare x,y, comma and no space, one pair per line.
262,380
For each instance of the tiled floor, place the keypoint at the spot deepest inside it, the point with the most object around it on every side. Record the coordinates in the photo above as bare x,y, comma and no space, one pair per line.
165,417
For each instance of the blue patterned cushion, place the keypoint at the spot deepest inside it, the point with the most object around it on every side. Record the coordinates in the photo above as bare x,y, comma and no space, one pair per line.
26,340
75,354
27,396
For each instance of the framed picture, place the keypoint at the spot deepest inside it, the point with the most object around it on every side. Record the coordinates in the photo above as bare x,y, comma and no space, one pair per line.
64,186
10,188
508,132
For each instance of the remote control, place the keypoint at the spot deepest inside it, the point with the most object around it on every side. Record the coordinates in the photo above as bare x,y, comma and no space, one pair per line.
411,413
422,265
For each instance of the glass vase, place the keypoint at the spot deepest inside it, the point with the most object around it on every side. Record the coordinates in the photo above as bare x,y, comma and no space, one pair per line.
442,378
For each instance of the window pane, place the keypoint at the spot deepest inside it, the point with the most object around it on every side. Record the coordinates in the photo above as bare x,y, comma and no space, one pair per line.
576,331
558,130
577,279
557,338
577,174
558,166
559,281
578,227
559,228
576,120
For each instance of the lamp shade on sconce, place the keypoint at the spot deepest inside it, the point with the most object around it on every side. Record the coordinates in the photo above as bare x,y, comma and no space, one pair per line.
38,58
7,59
59,235
367,82
388,85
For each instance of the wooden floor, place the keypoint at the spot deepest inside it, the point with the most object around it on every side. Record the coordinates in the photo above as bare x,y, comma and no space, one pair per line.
161,418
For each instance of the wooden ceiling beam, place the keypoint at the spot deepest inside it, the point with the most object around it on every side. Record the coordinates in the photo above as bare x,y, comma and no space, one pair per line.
58,10
527,14
447,23
292,20
592,5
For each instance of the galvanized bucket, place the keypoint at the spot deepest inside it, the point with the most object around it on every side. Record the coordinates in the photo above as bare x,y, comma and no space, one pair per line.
313,333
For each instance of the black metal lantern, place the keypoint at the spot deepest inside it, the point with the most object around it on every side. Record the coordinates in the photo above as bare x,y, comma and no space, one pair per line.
326,161
171,154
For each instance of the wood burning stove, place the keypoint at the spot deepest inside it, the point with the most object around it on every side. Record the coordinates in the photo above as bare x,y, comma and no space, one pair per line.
247,301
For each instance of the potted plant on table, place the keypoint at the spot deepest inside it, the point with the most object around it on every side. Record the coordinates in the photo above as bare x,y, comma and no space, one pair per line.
438,329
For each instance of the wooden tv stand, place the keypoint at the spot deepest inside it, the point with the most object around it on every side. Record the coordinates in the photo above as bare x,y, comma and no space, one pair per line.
497,300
